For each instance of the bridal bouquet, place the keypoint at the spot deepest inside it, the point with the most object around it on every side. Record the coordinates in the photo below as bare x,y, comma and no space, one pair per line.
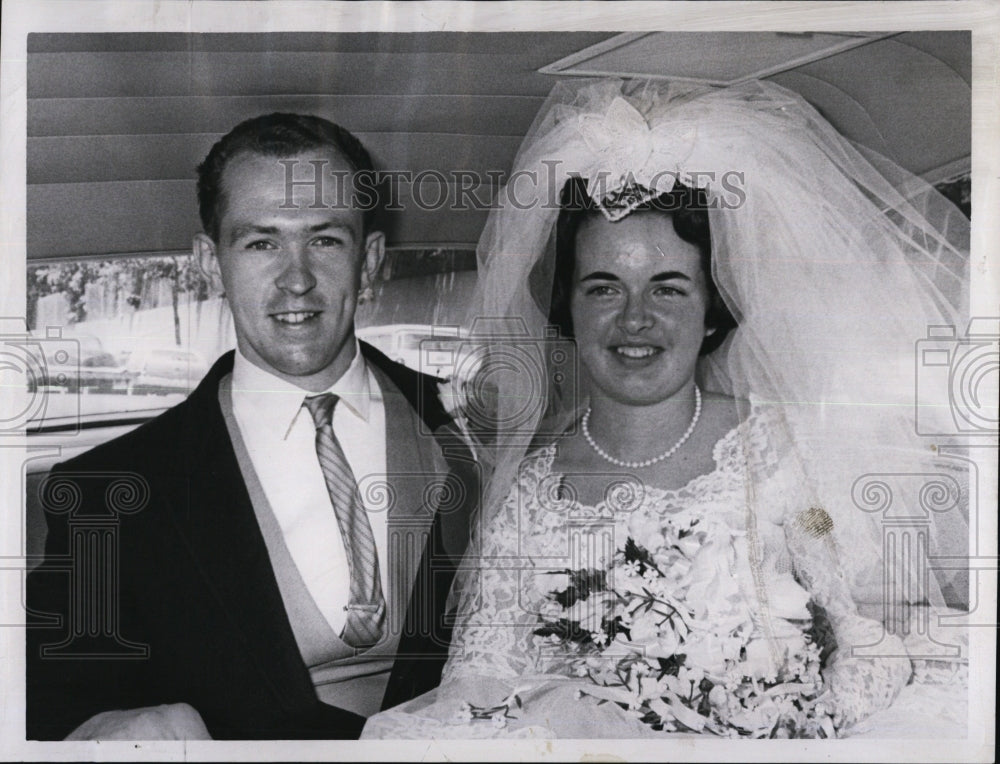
665,631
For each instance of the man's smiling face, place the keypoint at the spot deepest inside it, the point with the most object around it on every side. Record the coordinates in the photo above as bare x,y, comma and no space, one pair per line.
291,269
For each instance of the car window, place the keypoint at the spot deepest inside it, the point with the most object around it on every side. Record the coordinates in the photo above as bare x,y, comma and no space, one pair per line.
114,336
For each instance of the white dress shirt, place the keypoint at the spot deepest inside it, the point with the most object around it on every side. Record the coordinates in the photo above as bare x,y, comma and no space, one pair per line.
281,440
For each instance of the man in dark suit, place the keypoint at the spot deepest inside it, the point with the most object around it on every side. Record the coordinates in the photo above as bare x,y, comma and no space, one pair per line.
268,558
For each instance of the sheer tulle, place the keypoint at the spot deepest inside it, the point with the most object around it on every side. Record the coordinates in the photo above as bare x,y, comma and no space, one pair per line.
834,261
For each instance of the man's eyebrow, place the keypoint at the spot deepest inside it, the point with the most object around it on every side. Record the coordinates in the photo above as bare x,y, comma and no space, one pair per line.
670,276
600,276
244,230
269,230
331,225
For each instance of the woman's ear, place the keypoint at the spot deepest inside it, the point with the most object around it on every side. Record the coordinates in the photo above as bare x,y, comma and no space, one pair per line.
208,263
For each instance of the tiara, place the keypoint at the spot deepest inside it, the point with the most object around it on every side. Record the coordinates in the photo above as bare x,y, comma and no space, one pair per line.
618,203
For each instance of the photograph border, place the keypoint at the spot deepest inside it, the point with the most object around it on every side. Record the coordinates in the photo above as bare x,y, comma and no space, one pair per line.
22,17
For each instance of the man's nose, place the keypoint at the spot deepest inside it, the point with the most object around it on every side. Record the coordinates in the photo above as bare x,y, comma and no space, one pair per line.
635,315
297,276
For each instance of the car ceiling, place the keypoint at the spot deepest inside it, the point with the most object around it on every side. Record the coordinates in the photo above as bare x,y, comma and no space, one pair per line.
116,123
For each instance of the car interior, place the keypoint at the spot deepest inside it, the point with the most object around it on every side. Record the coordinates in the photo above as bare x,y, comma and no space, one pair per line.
117,123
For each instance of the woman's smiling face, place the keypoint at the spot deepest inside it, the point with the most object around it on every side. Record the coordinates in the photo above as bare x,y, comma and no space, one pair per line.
638,305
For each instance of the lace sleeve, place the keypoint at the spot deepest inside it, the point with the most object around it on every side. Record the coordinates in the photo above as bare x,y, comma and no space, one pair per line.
494,626
865,666
861,682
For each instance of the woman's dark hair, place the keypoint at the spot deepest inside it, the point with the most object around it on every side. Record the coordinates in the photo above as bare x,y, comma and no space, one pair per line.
688,208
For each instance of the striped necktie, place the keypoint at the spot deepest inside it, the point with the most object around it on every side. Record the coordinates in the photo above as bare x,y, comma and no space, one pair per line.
366,610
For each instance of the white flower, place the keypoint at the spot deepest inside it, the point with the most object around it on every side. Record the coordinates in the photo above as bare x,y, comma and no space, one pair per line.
665,646
786,599
454,399
711,584
661,709
550,610
689,545
453,396
678,685
708,652
685,715
551,582
632,584
644,628
650,687
759,662
675,567
646,530
599,637
717,697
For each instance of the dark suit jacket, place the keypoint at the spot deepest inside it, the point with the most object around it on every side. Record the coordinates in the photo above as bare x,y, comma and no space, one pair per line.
199,616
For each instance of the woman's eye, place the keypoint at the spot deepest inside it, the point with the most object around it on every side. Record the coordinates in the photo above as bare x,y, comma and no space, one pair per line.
601,290
670,291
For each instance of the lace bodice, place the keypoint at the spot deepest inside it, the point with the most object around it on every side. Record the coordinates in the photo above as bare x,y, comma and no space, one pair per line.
755,493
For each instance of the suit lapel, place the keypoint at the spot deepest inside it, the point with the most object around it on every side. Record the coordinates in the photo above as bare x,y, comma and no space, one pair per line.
218,524
410,468
445,453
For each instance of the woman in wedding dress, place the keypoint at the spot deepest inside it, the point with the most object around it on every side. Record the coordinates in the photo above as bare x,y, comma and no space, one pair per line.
680,544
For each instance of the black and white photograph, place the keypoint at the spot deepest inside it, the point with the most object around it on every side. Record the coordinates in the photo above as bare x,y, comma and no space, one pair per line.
506,381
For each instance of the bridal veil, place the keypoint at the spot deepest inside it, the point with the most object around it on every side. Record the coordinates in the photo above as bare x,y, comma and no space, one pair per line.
835,262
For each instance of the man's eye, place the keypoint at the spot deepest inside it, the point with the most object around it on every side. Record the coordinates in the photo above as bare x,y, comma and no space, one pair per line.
260,244
601,290
670,291
328,241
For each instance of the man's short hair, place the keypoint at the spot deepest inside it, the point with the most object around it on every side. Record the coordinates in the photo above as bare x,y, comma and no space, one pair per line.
277,135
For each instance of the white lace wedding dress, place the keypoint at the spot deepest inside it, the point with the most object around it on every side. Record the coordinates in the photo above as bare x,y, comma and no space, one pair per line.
495,650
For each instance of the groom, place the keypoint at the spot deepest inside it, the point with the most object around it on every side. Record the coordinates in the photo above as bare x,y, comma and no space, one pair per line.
283,573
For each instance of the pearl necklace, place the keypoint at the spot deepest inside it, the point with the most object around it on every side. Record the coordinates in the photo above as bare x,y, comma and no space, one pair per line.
649,462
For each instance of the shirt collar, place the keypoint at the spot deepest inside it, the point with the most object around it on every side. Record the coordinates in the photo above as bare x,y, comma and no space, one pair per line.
278,402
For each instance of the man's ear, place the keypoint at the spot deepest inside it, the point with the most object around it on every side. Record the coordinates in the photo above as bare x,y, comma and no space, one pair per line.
204,254
374,257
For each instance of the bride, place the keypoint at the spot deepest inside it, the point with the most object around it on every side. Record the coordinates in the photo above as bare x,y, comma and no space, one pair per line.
678,546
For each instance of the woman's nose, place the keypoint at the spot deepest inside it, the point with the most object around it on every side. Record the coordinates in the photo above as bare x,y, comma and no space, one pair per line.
297,276
635,316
